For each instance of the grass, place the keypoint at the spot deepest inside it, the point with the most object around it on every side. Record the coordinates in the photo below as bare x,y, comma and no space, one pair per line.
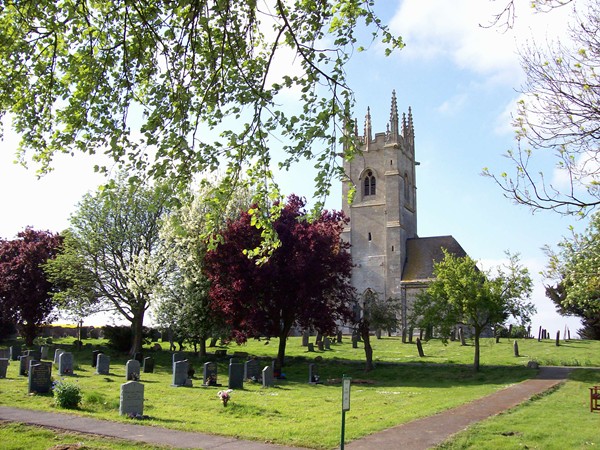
16,436
402,388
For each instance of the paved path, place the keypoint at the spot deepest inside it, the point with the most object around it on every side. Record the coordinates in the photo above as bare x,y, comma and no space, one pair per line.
417,435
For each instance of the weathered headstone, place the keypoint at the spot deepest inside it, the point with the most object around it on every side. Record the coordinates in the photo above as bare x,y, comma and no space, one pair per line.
95,354
148,364
354,341
267,377
5,353
15,352
516,348
209,374
313,374
65,363
251,370
180,373
178,356
311,347
102,364
57,353
44,349
236,375
339,337
132,398
305,338
321,345
327,343
420,348
23,365
3,367
40,377
132,370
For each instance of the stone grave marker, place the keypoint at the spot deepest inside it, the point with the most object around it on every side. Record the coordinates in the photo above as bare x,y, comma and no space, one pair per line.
267,377
311,347
178,356
313,374
40,377
57,353
236,375
251,370
180,373
44,349
103,364
132,370
65,363
5,353
3,367
15,352
148,364
305,338
327,343
95,354
321,345
209,374
132,398
24,365
354,341
339,337
34,354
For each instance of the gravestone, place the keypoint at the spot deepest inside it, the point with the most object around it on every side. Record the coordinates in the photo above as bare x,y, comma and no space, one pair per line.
313,374
44,349
148,364
180,373
267,377
305,338
516,348
132,398
5,353
236,375
339,337
24,365
57,353
65,363
209,374
251,370
15,352
132,370
34,354
3,367
40,377
354,341
95,354
327,343
102,364
311,347
321,345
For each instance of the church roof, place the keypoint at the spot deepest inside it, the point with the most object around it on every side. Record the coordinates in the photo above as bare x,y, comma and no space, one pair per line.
421,253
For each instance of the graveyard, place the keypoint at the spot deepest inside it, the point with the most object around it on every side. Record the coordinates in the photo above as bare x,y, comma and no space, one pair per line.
300,406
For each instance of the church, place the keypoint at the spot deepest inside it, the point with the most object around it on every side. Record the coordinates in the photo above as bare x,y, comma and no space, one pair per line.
388,255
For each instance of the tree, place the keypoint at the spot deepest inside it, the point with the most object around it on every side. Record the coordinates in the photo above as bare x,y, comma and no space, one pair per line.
304,283
184,299
574,277
463,294
25,292
179,88
558,120
113,257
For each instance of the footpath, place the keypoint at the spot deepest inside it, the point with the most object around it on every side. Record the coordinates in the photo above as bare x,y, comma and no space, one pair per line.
416,435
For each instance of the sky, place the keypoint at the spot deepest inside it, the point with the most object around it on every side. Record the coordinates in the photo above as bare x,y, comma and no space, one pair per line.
461,81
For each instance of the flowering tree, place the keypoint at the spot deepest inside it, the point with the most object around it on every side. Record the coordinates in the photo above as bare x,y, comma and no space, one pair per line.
304,283
25,292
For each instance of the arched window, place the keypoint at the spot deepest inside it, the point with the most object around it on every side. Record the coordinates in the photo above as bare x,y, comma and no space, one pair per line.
369,184
406,187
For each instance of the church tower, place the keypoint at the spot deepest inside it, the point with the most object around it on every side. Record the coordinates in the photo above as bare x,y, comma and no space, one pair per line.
383,213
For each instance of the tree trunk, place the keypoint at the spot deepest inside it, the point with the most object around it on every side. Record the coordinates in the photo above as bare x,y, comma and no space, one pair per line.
281,350
203,346
364,332
136,333
476,358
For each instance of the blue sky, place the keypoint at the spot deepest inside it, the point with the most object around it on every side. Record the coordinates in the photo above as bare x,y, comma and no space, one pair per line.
461,82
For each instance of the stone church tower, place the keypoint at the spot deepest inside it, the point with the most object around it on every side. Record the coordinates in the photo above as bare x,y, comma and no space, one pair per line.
389,258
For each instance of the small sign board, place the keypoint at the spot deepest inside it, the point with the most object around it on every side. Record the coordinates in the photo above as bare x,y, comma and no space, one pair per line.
346,393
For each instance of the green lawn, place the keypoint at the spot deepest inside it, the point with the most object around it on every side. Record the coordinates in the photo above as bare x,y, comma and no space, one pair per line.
402,388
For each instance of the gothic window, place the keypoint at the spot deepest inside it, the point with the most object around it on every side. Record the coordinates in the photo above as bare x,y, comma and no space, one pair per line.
406,188
369,184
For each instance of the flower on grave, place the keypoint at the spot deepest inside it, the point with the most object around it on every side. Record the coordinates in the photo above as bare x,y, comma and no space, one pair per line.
224,396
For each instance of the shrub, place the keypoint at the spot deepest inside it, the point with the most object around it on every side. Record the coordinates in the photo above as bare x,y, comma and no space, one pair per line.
66,394
119,337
